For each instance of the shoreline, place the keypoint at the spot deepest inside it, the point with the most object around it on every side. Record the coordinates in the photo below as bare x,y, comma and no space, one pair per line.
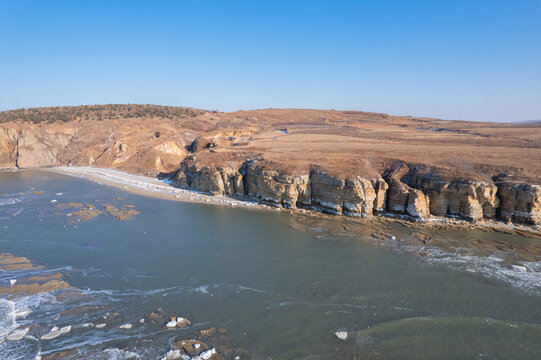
147,186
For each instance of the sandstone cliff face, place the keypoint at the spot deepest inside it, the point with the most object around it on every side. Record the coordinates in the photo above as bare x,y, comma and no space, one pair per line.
276,188
469,200
332,194
31,146
520,203
418,204
8,146
401,198
217,180
420,198
355,196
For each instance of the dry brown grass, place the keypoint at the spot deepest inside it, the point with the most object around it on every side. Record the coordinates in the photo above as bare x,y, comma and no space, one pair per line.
345,142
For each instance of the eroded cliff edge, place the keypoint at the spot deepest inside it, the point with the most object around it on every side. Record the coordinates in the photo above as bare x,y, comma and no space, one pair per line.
414,190
339,162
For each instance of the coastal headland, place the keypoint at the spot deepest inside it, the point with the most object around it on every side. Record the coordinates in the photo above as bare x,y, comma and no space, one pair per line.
350,163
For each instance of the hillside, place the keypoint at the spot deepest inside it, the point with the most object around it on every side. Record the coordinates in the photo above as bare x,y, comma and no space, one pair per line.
148,139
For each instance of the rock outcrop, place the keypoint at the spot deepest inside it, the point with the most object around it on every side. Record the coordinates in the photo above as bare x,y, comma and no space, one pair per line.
8,146
418,204
520,203
356,196
403,191
276,188
352,196
471,200
31,146
218,180
401,198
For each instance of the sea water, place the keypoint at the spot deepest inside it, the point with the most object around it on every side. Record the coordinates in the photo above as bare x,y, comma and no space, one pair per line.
280,293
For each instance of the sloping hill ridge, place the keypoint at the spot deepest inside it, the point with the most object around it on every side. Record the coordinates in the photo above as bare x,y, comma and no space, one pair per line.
342,162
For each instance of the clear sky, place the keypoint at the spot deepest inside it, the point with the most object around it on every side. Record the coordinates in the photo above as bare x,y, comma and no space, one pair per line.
472,60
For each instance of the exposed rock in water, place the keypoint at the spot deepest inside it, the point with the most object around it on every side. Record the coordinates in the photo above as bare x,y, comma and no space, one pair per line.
30,289
10,262
123,213
156,318
178,322
59,355
190,347
206,332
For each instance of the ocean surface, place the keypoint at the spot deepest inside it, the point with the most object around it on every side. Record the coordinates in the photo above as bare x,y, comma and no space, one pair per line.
278,292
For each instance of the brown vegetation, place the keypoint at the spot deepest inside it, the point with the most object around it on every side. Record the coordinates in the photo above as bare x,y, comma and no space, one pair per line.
151,139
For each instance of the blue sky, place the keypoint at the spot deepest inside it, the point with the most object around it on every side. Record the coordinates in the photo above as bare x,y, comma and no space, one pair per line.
472,60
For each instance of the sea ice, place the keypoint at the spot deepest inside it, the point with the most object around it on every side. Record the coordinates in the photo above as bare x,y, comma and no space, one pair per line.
173,355
519,268
18,334
341,334
56,332
205,355
22,312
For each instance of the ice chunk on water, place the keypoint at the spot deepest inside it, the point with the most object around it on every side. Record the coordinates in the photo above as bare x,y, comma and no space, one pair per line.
22,312
341,334
18,334
56,332
173,355
205,355
179,321
7,317
519,268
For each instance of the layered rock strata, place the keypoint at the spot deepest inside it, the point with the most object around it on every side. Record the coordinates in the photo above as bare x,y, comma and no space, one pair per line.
30,146
520,203
466,199
401,191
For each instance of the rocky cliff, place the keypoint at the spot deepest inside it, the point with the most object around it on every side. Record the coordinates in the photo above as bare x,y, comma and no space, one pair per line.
418,195
29,146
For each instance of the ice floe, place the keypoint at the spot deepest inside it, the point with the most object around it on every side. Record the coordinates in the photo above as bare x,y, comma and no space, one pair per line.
56,332
18,334
341,334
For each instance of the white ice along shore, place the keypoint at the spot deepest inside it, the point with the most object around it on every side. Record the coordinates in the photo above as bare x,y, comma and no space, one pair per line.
130,181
